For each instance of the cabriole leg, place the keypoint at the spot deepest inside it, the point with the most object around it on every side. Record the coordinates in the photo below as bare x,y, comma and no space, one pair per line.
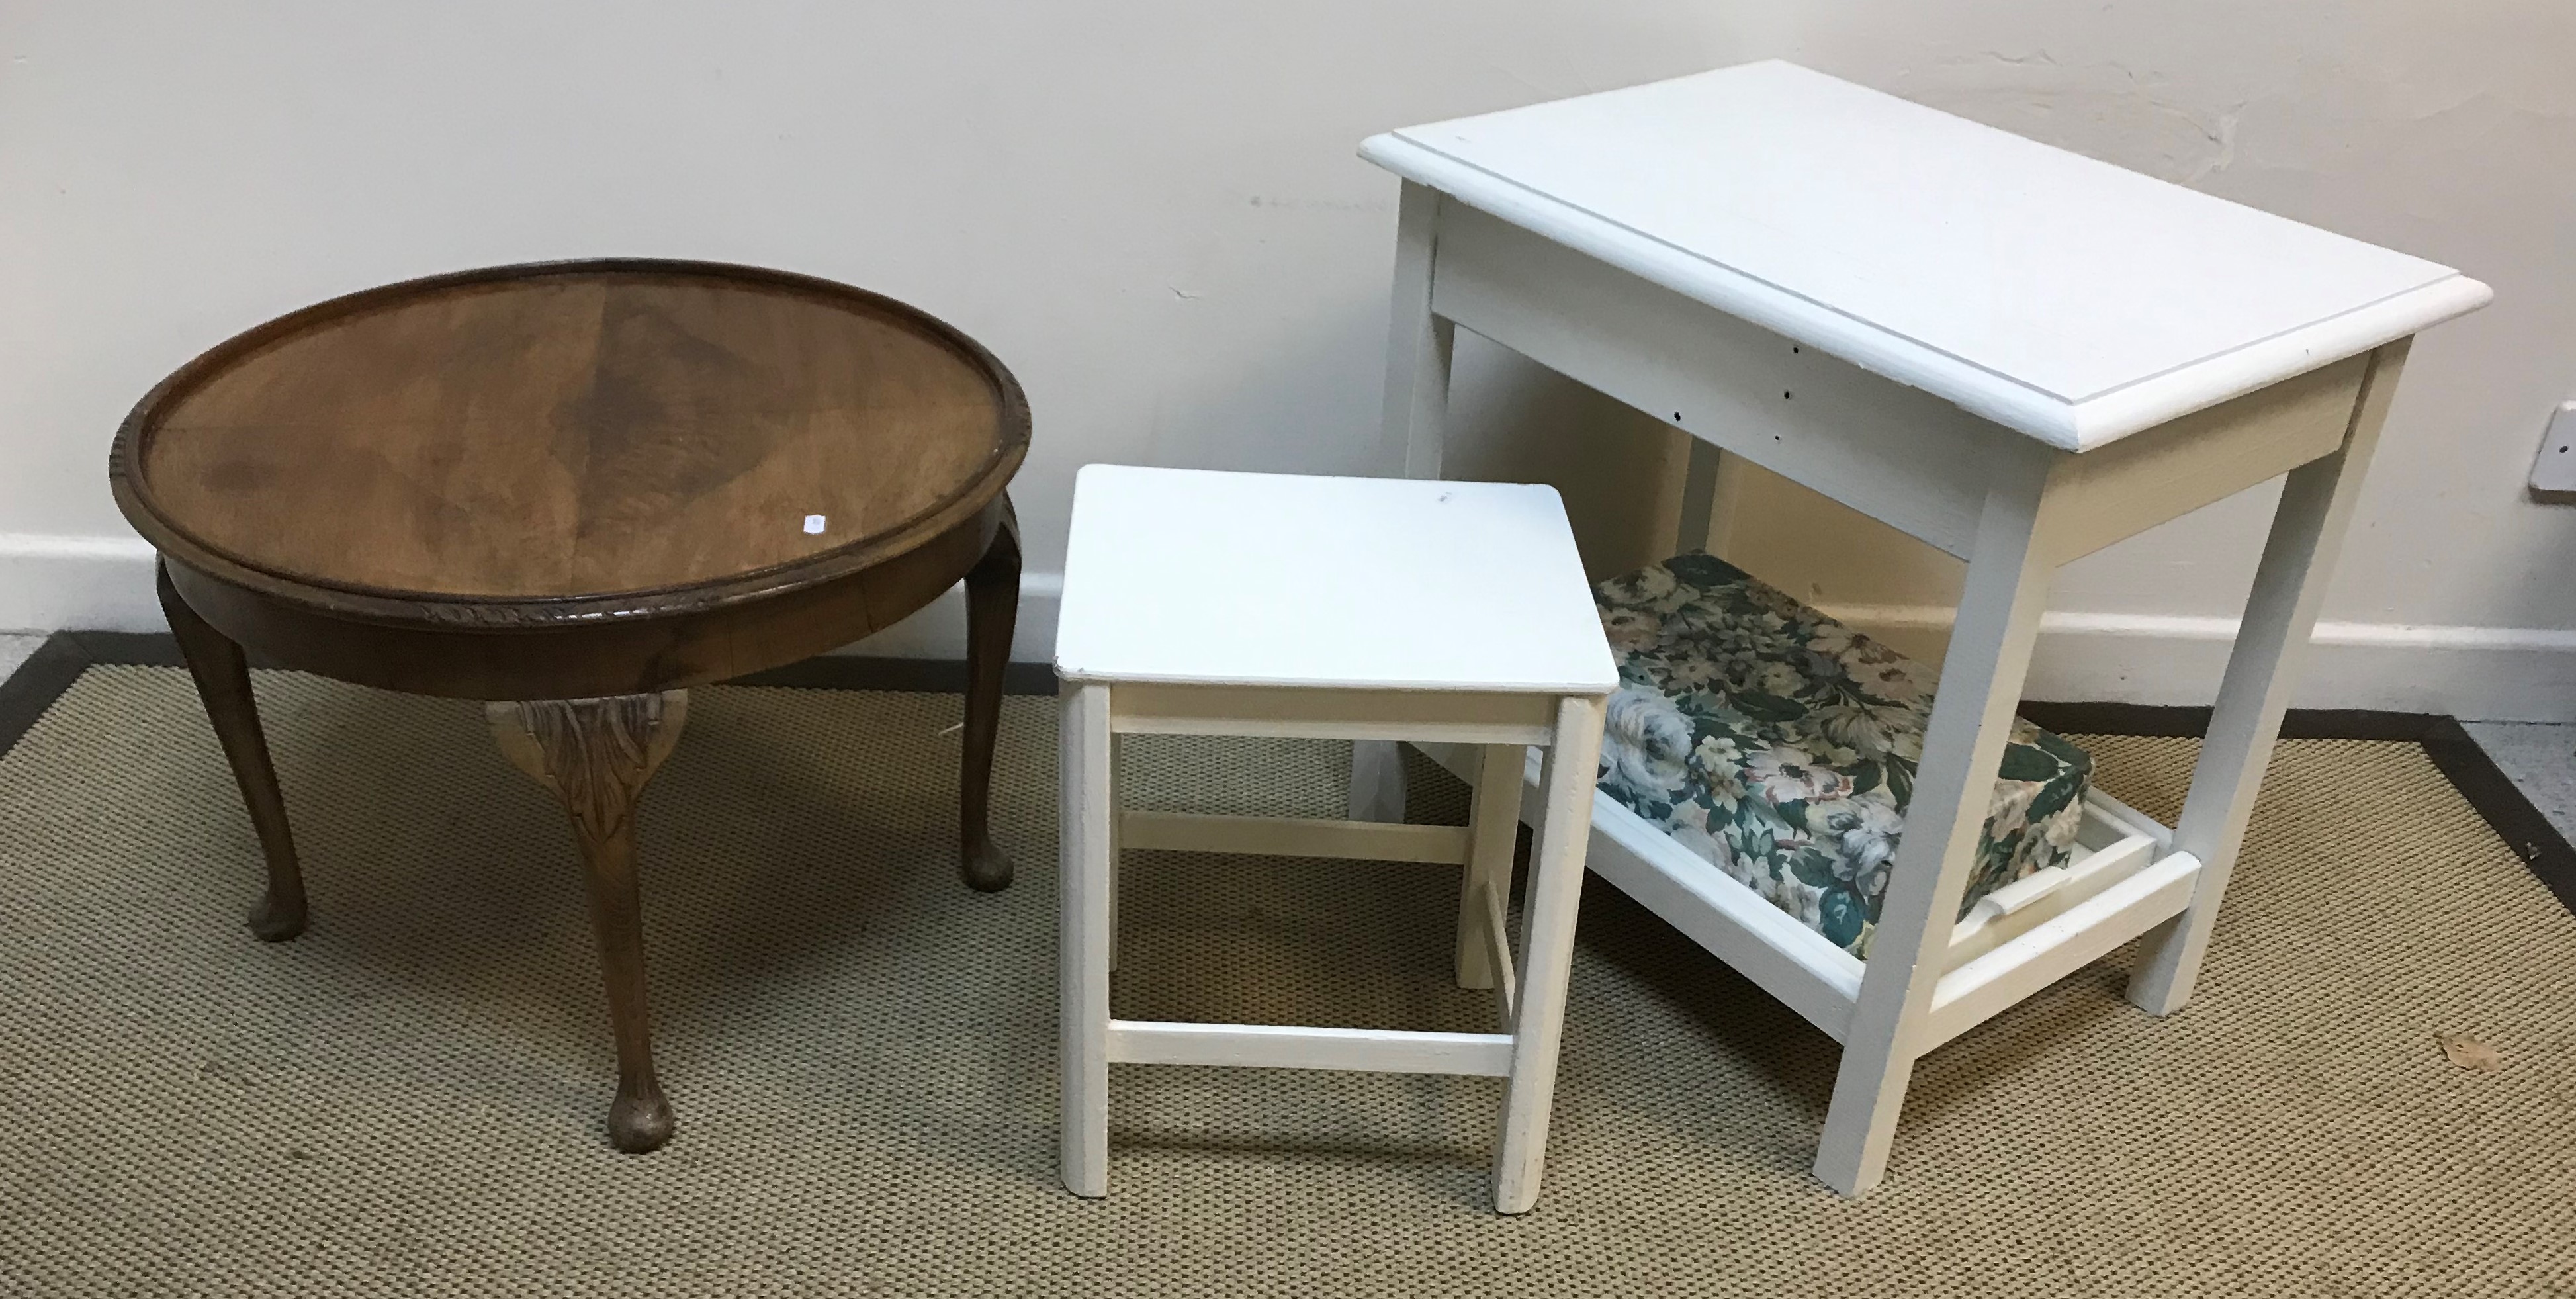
992,612
594,756
222,674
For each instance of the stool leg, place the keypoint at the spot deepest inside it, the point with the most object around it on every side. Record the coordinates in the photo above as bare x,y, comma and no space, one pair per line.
1547,948
1493,830
1377,781
1083,948
1117,836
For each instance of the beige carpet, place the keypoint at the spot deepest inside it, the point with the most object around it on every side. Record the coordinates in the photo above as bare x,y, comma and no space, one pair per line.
861,1052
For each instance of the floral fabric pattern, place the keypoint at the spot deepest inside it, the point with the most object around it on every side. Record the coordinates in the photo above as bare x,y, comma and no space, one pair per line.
1780,746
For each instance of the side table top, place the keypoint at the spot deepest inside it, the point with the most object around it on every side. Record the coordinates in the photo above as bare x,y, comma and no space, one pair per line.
2062,297
618,430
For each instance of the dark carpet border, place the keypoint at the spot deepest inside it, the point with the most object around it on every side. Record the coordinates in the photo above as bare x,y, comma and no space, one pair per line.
56,664
2506,809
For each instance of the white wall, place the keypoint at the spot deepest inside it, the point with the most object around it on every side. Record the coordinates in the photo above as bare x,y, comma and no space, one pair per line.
2448,131
1151,211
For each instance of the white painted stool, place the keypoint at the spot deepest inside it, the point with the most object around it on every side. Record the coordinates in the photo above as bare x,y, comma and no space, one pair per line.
1201,603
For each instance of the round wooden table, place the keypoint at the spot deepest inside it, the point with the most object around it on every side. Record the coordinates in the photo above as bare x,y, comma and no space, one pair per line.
576,489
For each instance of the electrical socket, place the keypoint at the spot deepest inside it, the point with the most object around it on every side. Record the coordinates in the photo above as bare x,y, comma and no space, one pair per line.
2553,475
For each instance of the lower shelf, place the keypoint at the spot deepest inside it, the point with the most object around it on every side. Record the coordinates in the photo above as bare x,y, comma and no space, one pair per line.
2017,941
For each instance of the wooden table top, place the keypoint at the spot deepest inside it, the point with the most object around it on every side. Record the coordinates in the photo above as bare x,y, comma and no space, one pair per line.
630,431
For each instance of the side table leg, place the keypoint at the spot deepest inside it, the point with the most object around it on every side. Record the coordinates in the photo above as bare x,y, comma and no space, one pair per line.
1415,429
2009,571
594,756
992,613
223,682
2307,530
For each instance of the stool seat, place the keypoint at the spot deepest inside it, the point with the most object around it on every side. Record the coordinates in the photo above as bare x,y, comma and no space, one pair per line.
1184,575
1780,746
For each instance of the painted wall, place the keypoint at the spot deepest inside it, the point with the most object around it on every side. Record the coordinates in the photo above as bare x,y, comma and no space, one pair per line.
1152,212
2445,131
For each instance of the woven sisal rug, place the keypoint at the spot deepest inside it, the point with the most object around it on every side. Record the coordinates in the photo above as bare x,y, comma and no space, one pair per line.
861,1052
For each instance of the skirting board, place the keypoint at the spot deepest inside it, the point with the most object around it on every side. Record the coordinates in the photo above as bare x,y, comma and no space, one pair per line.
50,584
26,693
2476,674
2504,674
2461,760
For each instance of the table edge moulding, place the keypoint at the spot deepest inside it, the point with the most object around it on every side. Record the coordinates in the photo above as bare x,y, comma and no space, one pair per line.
365,603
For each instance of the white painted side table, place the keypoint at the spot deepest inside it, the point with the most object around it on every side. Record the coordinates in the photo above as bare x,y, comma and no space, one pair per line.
2014,353
1199,603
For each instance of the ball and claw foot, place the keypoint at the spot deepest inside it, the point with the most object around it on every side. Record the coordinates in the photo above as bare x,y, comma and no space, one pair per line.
274,919
639,1121
986,867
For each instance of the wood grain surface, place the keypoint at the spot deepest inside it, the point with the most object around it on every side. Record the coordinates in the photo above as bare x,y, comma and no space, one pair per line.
573,490
585,430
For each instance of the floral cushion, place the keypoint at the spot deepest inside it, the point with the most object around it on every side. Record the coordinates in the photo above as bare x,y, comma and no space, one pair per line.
1780,746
